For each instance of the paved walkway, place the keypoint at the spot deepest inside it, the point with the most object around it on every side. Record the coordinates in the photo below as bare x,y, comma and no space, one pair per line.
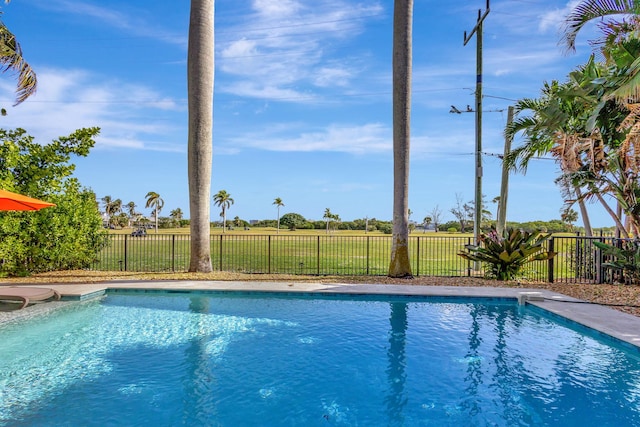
622,326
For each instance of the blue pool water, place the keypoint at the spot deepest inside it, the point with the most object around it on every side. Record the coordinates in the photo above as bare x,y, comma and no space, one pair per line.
267,360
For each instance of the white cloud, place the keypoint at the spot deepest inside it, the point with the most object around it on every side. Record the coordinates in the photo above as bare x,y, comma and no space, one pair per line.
131,21
67,100
286,44
276,9
332,76
368,138
553,20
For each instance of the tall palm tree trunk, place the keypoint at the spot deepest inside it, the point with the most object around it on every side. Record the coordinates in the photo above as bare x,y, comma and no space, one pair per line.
613,215
400,265
588,231
200,76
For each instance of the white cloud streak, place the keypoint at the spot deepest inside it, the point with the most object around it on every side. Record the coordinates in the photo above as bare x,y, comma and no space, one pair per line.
284,45
71,99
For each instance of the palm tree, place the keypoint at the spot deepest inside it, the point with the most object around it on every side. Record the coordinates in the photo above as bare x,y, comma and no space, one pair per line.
569,216
588,10
327,217
155,202
107,201
176,215
400,265
553,123
223,200
11,59
426,221
116,208
131,208
200,78
111,208
278,203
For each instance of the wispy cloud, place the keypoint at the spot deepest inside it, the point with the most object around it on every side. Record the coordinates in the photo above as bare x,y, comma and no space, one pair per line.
71,99
133,22
355,139
289,46
554,19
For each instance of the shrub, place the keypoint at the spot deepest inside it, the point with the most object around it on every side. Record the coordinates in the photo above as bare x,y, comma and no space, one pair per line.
67,236
504,256
385,228
625,259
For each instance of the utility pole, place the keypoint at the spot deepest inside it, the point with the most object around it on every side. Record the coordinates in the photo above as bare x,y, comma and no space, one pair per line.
504,186
478,153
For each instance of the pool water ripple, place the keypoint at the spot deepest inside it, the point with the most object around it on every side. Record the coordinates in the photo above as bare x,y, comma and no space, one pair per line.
225,360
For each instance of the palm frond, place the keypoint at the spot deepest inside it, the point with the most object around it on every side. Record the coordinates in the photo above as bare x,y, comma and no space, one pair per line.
11,59
589,10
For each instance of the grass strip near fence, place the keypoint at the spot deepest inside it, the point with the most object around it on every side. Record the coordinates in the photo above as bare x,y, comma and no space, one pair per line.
431,255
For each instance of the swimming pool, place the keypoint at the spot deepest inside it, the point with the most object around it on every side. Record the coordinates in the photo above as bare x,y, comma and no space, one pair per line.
234,359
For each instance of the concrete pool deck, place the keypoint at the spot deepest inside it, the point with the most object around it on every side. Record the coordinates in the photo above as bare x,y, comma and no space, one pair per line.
622,326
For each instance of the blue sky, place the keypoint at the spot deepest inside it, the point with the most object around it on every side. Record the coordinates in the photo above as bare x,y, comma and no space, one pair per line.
302,107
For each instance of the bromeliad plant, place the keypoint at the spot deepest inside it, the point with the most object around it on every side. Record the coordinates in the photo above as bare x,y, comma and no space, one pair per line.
504,256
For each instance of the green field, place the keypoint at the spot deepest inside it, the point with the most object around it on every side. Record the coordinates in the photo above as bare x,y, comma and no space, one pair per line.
316,252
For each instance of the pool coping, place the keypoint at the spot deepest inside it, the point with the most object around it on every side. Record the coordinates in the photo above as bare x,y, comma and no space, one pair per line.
614,323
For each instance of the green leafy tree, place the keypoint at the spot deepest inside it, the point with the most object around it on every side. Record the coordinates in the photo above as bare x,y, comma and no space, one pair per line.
155,202
67,236
223,200
292,220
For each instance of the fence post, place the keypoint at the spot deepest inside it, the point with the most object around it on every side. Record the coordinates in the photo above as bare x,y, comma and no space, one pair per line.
468,262
598,260
173,253
318,255
125,252
367,255
269,255
418,257
550,262
220,253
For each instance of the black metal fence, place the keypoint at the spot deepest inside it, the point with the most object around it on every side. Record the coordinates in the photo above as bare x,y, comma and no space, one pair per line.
577,259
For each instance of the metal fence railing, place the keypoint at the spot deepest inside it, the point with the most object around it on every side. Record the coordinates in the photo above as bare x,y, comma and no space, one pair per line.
578,260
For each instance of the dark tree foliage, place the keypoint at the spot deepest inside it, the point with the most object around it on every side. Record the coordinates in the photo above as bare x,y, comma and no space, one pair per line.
67,236
292,221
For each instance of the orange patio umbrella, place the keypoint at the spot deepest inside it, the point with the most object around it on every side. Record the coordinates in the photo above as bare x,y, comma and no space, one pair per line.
17,202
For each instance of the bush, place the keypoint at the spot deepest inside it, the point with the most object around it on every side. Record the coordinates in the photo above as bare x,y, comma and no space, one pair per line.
447,226
385,228
67,236
452,230
624,260
505,255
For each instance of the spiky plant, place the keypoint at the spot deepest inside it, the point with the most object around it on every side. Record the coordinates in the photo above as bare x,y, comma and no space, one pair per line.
504,256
